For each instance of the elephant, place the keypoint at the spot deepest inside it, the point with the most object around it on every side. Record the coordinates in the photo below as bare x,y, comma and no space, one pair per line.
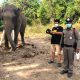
13,19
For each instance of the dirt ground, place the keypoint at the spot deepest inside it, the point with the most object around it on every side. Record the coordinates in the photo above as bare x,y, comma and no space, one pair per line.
31,63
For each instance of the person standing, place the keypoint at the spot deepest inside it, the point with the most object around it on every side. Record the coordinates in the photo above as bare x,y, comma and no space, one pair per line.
56,34
70,37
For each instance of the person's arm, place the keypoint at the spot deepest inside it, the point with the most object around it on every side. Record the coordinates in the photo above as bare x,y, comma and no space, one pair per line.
60,32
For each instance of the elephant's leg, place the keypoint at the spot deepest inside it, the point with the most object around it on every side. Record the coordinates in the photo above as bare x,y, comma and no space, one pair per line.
16,36
17,29
22,38
8,33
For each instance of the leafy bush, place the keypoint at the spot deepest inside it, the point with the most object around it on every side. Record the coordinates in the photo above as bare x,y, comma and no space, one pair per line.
1,26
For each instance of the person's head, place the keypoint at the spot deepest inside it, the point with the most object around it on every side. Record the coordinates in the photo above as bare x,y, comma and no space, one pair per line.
68,23
56,22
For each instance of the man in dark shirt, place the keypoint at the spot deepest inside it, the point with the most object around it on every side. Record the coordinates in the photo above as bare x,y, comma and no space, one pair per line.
56,33
55,36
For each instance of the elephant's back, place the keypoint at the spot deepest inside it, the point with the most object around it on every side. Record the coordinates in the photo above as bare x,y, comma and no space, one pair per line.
9,7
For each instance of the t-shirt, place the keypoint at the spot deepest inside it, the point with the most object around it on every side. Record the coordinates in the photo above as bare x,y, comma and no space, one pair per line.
55,39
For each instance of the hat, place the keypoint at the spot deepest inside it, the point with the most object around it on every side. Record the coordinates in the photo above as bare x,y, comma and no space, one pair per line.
57,20
68,20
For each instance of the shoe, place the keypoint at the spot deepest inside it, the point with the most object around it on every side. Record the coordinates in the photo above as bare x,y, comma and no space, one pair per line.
63,72
59,64
69,75
50,62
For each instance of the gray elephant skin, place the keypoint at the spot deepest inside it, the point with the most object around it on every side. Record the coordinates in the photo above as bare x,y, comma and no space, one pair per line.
13,19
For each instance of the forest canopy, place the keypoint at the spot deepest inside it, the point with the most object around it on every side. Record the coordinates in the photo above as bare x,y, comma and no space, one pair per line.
44,11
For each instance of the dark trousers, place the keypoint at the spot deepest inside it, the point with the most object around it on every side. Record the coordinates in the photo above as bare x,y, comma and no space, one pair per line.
68,53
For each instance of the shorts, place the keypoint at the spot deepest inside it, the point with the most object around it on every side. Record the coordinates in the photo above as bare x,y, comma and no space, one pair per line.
55,48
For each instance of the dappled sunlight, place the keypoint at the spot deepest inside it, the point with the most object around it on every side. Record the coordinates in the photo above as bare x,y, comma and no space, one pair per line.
10,63
25,71
21,67
28,73
21,74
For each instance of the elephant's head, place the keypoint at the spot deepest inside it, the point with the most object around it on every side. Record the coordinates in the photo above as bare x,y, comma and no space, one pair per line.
10,14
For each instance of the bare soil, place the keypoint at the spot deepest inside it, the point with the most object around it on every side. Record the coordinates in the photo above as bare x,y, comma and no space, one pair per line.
31,63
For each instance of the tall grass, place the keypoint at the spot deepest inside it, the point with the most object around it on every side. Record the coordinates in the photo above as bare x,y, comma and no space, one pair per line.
38,30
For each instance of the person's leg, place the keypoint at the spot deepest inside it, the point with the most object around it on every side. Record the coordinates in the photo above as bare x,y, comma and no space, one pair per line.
65,55
71,60
52,54
59,54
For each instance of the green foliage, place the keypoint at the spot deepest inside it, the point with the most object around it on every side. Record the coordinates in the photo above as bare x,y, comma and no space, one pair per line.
1,26
42,11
